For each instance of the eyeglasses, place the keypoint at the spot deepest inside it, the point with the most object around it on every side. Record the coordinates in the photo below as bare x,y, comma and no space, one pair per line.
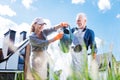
41,24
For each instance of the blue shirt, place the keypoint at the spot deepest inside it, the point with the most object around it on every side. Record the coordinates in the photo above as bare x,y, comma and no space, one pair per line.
89,39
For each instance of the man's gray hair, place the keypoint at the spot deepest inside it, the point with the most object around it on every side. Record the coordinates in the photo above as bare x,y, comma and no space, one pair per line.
81,14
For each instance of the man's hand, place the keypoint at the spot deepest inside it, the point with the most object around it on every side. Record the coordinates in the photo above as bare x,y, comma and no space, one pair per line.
94,55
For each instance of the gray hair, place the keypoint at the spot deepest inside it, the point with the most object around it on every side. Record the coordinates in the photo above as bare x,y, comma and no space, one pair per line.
81,14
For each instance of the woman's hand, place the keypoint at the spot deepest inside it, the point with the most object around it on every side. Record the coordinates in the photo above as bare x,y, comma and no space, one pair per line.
58,36
61,25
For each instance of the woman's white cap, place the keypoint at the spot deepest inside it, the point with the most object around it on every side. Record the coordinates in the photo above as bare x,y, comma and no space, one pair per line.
39,20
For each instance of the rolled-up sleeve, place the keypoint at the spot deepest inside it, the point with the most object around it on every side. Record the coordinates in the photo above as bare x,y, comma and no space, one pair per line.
93,43
49,31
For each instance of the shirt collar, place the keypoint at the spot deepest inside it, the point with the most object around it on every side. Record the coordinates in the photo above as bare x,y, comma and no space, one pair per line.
82,29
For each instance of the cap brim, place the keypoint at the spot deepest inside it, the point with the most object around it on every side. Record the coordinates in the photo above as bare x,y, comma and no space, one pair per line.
44,23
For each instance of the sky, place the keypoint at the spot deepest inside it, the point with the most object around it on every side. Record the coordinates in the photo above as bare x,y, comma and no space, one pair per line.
103,17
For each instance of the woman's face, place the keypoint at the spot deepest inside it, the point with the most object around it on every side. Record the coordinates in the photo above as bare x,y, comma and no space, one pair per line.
39,27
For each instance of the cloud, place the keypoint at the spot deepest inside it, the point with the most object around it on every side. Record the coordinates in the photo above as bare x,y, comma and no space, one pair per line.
118,16
104,5
23,27
7,24
99,42
6,10
27,3
78,1
48,23
13,0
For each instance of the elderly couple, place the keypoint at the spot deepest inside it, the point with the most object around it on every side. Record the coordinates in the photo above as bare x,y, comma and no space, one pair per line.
39,44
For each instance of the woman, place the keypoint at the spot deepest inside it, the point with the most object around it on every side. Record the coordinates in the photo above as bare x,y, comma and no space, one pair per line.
39,44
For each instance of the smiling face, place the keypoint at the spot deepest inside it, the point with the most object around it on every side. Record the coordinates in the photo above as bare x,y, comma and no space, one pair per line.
81,21
38,27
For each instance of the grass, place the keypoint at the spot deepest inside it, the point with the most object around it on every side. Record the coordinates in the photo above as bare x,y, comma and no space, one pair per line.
77,75
111,73
20,76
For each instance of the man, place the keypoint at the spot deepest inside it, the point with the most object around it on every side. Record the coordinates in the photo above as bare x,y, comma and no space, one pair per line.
83,40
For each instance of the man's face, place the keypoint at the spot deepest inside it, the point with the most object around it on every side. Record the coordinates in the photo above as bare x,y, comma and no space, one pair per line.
81,22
